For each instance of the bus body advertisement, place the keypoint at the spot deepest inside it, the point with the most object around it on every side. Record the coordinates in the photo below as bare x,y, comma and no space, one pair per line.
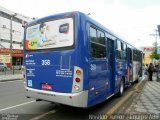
71,59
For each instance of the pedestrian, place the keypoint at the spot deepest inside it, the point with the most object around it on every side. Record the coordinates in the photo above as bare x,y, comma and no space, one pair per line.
146,69
157,67
150,71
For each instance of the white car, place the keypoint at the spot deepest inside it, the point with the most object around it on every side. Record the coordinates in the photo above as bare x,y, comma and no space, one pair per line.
3,66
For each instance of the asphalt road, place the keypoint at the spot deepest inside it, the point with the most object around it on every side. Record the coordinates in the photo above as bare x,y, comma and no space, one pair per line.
14,102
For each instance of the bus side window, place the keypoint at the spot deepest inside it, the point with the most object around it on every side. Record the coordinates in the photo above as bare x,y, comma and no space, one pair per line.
136,55
118,50
97,43
131,56
124,56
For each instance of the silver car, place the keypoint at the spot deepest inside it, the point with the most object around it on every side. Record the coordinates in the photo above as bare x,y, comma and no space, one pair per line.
3,66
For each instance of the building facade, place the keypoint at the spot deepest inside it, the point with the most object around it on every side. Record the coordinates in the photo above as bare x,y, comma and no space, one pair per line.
11,36
147,53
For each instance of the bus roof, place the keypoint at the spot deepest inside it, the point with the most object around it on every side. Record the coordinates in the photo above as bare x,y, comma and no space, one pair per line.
85,16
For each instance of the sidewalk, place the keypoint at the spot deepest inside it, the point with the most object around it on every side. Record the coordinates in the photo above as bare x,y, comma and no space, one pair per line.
148,101
10,77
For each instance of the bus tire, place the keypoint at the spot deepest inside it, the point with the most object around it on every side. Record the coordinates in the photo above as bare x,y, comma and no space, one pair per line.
121,88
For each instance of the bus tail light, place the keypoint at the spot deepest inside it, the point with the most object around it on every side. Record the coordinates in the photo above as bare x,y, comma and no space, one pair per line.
77,87
78,80
78,72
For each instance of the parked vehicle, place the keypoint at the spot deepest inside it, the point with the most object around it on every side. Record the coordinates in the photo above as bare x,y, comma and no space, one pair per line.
3,66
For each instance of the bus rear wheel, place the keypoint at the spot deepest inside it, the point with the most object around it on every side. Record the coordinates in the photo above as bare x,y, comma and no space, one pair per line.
121,88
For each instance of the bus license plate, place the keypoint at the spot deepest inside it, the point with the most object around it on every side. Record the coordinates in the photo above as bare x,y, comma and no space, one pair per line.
46,87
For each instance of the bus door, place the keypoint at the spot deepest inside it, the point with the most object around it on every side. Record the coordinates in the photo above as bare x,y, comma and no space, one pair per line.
98,66
130,65
110,64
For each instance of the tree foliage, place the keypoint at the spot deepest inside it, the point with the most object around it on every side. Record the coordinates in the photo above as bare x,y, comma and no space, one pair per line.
155,55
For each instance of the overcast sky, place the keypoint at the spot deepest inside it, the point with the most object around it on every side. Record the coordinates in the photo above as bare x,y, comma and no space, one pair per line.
133,20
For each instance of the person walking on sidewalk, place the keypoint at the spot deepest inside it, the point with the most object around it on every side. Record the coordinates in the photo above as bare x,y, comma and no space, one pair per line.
150,71
146,69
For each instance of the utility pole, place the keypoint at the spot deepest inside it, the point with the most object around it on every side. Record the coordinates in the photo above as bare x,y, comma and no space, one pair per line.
158,26
156,36
11,37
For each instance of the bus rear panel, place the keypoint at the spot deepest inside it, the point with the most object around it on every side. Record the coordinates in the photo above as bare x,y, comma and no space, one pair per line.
52,63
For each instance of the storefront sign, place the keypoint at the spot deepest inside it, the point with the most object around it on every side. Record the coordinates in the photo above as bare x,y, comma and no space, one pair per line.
148,49
15,52
5,58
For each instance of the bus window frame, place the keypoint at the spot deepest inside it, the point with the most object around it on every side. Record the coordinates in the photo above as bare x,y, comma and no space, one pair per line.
52,49
118,49
90,53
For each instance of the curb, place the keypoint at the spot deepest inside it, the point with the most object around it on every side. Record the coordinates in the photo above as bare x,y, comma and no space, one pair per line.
16,79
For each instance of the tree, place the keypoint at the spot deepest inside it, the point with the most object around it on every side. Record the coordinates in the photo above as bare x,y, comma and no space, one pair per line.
155,55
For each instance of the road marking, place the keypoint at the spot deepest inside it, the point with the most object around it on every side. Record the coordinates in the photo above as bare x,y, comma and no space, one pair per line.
123,100
16,106
118,105
45,114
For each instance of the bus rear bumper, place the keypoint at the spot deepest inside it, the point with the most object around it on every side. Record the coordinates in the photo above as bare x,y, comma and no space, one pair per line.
79,99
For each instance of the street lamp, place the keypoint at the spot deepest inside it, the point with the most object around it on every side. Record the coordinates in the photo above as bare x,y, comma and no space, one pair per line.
11,40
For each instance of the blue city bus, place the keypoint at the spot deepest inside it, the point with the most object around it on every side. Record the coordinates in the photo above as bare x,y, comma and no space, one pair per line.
71,59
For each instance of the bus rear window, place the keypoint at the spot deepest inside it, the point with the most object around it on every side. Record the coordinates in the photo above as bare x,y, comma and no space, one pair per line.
52,34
